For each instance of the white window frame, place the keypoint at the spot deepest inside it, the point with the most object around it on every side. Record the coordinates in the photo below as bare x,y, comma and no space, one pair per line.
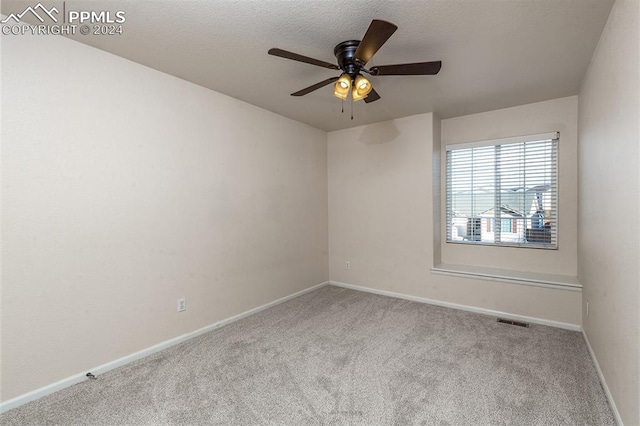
554,137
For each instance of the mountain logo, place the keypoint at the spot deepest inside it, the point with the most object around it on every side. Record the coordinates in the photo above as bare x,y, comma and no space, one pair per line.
34,11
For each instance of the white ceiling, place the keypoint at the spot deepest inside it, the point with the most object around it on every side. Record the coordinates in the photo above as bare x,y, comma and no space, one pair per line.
495,53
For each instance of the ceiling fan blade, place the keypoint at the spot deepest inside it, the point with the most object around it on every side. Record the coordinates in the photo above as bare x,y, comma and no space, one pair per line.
418,68
377,35
315,87
372,96
294,56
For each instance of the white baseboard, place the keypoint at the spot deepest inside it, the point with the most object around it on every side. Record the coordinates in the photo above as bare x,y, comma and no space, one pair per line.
550,323
77,378
603,382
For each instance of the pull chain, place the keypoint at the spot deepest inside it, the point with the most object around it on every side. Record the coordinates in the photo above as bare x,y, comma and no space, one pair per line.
352,108
343,106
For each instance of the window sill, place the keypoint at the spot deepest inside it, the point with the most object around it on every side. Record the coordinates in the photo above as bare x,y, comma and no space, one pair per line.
560,282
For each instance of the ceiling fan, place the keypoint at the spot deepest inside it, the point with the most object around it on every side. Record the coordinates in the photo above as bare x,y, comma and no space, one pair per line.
352,56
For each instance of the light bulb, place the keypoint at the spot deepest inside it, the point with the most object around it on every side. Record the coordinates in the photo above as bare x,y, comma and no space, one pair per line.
342,86
361,89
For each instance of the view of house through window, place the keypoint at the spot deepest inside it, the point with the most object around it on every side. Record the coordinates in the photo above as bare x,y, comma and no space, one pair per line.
504,192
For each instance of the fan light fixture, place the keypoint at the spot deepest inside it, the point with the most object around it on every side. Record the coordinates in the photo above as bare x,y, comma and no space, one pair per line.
361,88
342,86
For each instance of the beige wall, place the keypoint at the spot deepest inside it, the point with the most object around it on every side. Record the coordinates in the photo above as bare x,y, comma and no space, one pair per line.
381,220
125,189
609,196
559,115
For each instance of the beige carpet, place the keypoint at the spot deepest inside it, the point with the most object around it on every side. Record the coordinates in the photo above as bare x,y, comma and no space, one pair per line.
342,357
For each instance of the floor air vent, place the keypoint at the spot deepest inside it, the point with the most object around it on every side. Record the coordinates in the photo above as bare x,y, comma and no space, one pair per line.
510,322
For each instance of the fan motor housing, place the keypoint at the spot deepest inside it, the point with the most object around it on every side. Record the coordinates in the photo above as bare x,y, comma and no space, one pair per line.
344,53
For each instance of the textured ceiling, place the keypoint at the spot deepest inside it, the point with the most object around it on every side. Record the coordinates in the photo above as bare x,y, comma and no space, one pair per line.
495,53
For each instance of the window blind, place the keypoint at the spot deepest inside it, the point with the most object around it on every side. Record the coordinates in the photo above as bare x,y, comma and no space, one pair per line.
504,192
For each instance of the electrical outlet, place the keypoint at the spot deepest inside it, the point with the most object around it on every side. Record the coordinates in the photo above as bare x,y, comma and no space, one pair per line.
587,308
182,305
347,265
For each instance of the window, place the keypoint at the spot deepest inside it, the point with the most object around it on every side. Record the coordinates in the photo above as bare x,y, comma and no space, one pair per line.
504,192
506,226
